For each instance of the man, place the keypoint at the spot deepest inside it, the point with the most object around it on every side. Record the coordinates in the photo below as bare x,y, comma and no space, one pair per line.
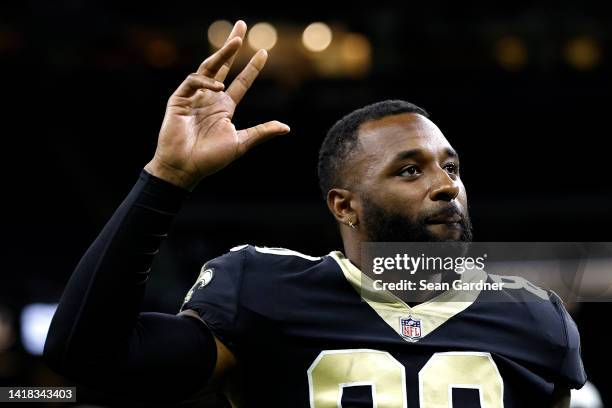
273,327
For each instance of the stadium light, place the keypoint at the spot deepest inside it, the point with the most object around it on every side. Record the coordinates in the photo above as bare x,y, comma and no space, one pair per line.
582,53
511,53
356,52
262,35
218,32
317,37
35,322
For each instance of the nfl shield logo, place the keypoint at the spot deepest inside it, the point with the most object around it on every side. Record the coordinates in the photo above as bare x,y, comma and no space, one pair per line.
411,328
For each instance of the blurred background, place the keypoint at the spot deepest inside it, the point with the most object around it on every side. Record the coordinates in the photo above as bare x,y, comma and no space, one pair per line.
522,91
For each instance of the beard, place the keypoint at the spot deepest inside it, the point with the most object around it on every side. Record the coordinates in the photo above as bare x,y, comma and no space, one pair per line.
384,225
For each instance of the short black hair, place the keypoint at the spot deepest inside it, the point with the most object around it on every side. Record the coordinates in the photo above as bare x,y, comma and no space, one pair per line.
341,140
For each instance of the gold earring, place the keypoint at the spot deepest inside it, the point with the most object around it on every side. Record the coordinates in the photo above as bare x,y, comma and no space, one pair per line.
353,226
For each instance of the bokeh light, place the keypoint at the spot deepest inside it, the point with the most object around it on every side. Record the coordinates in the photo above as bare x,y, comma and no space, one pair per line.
582,53
262,35
317,37
511,53
161,53
218,32
356,52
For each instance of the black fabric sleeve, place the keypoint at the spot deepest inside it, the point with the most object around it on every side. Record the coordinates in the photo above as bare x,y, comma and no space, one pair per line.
99,337
572,373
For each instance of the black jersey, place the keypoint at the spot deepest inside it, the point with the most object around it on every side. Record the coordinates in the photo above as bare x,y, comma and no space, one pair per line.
306,334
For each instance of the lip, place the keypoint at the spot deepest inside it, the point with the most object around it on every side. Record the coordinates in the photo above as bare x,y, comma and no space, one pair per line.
447,219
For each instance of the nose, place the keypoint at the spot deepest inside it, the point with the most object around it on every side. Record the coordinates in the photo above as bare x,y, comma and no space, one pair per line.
444,187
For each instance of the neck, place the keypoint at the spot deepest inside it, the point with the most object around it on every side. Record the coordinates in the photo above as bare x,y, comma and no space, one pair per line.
352,245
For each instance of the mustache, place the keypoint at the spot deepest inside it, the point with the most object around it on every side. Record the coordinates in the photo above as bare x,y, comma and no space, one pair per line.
448,210
389,225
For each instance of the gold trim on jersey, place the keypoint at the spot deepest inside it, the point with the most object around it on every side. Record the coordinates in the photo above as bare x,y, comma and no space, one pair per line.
432,313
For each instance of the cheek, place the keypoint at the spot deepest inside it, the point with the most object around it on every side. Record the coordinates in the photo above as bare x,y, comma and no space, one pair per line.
405,199
407,202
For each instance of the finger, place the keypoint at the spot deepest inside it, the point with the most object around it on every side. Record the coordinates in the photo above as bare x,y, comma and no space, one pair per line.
258,134
244,80
194,81
211,65
239,30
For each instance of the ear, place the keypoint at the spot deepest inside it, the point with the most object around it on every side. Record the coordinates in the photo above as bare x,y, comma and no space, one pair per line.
342,204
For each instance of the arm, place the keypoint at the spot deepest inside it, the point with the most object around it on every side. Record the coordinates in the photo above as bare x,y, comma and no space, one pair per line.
98,334
571,370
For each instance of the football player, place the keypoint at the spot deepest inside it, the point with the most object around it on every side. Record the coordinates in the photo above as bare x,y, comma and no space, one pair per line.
272,327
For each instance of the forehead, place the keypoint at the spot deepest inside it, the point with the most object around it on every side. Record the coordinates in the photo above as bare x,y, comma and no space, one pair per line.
385,137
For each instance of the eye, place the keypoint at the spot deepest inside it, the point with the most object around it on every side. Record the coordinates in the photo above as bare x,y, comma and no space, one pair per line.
451,168
409,171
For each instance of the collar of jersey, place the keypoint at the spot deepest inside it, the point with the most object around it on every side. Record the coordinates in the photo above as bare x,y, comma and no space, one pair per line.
432,313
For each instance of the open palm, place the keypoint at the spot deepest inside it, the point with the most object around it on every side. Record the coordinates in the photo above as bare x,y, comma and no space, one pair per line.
197,137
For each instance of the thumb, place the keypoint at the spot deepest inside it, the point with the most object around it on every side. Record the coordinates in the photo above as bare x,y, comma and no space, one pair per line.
255,135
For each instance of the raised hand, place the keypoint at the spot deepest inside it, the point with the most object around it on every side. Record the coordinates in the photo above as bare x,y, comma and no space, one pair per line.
197,137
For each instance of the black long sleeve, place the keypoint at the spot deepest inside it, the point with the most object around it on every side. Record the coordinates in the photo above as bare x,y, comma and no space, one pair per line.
98,335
